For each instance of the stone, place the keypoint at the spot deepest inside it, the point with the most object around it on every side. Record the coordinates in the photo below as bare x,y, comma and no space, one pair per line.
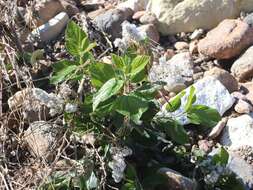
148,18
138,15
205,145
177,16
242,68
249,19
47,9
224,77
135,5
239,96
215,132
176,181
196,34
50,30
150,31
227,40
42,138
174,72
169,53
238,132
193,47
181,45
110,22
209,92
243,107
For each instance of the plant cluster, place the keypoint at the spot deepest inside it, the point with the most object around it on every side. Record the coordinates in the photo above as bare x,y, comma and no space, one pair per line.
127,141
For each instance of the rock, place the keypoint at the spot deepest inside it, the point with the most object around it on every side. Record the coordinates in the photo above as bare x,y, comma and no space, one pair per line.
177,181
148,18
239,96
224,77
243,107
242,169
51,29
205,145
196,34
174,72
42,138
227,40
209,92
193,47
249,19
181,45
47,9
169,53
110,22
238,132
96,13
247,87
138,15
243,67
188,15
150,31
218,128
135,5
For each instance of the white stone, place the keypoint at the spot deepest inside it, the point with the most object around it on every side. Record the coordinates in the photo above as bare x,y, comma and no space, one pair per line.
173,72
238,132
51,29
209,92
135,5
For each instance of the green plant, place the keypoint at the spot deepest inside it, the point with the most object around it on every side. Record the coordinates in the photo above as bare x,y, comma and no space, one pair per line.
121,111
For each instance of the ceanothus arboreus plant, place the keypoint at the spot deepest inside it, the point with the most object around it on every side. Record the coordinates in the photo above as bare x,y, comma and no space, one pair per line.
130,140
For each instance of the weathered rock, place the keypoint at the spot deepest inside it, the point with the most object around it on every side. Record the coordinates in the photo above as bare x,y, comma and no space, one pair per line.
193,47
174,72
42,138
243,107
188,15
47,9
135,5
150,31
110,22
181,45
51,29
218,128
239,96
249,19
148,18
209,92
238,132
196,34
243,67
224,77
227,40
177,181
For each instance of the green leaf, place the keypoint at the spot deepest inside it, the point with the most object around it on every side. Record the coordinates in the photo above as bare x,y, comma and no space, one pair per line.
77,42
100,73
138,67
174,130
221,157
203,115
131,106
110,88
61,70
175,103
118,61
191,99
148,91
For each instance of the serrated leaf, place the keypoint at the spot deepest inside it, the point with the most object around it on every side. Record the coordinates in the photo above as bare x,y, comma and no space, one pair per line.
175,103
131,106
191,99
61,70
118,61
203,115
100,73
174,130
221,157
110,88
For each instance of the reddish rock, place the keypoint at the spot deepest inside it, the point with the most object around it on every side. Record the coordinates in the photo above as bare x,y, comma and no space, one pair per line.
227,40
138,15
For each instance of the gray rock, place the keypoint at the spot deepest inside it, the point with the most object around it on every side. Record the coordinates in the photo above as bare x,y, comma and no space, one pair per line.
148,18
174,72
224,77
110,22
42,138
209,92
135,5
238,132
176,181
51,29
249,19
196,34
243,67
151,32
